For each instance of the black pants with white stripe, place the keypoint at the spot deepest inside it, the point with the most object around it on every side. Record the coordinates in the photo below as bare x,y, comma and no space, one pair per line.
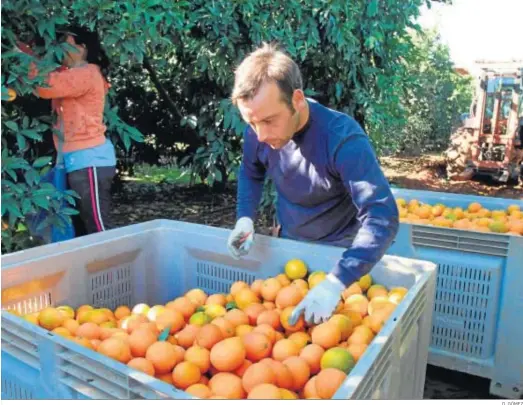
93,185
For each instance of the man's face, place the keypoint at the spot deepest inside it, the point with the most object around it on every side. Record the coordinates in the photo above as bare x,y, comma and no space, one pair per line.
270,117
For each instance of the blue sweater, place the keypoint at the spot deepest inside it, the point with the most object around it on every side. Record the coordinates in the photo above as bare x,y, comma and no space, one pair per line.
330,187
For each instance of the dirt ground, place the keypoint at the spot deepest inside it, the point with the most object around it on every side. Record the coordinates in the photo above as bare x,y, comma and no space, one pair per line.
140,202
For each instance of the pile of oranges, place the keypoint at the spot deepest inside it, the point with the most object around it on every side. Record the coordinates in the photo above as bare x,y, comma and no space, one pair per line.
474,217
236,345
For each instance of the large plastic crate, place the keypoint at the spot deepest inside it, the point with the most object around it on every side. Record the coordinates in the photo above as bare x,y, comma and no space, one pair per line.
477,323
159,260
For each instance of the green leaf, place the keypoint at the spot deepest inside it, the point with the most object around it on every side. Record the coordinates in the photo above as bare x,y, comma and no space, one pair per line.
42,161
218,175
372,8
11,125
41,201
20,140
69,211
31,133
26,206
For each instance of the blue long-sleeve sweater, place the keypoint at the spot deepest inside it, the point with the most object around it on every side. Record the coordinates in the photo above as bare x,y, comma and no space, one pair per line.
330,187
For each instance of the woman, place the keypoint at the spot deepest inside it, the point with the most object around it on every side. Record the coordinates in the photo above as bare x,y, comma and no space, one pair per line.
78,95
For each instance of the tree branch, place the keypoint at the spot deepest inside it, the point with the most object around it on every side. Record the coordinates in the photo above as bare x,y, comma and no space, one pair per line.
161,89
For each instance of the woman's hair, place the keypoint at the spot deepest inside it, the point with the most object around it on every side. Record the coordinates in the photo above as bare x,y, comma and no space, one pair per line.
91,40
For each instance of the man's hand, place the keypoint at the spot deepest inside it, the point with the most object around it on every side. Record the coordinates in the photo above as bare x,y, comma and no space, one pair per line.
241,237
320,302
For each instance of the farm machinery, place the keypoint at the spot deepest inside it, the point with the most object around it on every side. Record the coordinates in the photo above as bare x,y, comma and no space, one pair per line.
490,140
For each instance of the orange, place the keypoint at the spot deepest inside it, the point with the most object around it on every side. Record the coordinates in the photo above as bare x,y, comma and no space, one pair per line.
227,385
118,334
283,279
284,320
225,326
186,374
237,286
245,297
256,287
286,394
151,327
208,336
258,373
166,378
216,299
269,305
115,349
295,269
228,354
243,330
88,330
240,371
170,317
284,349
71,325
358,303
184,306
122,312
257,346
143,365
270,289
344,324
328,381
361,334
302,285
312,355
289,296
50,318
283,375
237,317
265,391
253,311
300,371
270,317
357,350
197,297
187,335
154,312
474,207
301,338
200,357
62,331
163,356
309,391
199,391
326,335
267,330
353,289
376,290
132,322
179,353
95,343
140,340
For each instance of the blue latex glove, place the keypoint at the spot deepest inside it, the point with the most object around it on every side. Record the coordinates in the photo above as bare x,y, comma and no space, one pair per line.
241,238
320,302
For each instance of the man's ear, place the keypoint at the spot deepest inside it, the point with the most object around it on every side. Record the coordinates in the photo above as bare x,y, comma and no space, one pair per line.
298,100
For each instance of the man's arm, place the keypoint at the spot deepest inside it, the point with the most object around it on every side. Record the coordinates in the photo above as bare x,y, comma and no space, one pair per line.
250,179
355,162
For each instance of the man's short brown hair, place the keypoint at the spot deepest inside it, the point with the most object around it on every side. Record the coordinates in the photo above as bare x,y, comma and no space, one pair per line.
265,64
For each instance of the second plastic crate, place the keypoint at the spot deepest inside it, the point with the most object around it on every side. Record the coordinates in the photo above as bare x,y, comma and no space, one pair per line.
157,261
477,324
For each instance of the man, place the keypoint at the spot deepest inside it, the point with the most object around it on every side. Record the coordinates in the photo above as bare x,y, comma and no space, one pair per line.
330,187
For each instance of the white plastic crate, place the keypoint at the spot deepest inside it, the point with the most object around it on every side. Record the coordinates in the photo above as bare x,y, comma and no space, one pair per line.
477,323
159,260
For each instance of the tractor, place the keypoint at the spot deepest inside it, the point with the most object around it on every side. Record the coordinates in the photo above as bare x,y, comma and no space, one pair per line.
489,141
